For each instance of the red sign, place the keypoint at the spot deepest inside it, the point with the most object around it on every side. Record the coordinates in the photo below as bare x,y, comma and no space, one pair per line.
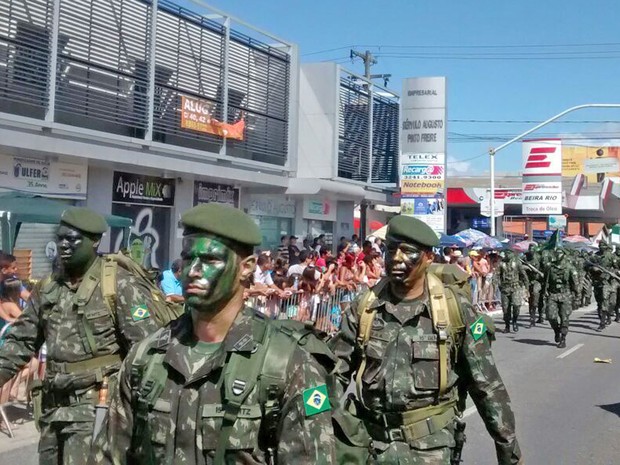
196,115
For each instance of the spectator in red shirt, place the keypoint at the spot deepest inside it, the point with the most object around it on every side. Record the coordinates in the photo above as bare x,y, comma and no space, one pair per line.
366,250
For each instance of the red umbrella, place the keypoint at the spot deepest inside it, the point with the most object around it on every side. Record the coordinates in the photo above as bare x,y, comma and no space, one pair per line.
374,225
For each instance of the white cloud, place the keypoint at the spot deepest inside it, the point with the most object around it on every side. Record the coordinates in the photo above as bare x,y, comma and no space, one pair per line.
458,168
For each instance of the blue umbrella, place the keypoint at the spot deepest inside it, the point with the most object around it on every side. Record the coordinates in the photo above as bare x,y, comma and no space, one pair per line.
470,236
451,241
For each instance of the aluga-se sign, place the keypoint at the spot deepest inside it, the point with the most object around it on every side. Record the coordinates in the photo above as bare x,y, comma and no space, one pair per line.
144,190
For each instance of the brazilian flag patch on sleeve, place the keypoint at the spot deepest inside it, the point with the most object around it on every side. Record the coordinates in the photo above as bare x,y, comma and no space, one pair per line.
316,400
478,328
140,312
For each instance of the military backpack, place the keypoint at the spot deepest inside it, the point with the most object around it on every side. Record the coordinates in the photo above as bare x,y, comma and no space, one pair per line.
264,370
445,314
162,311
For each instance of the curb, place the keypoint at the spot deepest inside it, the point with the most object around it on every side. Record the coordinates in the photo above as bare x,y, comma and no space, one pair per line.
25,435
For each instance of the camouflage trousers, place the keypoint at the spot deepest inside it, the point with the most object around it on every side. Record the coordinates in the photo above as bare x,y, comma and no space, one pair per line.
511,304
403,454
65,443
605,301
534,299
559,308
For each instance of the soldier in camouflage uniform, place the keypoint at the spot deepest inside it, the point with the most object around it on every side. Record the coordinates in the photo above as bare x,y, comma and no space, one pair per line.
560,290
601,281
86,340
532,258
513,280
403,404
616,284
200,409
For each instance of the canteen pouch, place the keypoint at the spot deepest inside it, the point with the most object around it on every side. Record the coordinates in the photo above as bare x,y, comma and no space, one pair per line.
36,393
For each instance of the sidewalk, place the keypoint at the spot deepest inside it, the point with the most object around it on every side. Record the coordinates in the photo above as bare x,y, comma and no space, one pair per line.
23,428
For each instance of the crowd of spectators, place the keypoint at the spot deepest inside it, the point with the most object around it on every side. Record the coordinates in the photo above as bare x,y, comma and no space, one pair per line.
480,265
312,269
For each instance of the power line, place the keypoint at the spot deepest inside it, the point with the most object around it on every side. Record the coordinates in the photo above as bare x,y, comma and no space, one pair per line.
528,121
319,52
495,58
494,46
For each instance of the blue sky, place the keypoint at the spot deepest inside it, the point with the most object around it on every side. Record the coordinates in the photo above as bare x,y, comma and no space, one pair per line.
484,47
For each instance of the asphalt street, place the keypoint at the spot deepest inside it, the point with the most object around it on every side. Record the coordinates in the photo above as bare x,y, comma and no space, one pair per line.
567,407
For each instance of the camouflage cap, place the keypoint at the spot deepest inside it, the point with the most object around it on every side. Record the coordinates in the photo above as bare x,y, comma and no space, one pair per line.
223,221
411,229
84,219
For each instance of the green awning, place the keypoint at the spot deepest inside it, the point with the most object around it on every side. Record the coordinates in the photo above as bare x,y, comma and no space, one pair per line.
19,207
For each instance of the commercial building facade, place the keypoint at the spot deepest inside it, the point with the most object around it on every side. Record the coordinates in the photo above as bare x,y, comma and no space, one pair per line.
144,108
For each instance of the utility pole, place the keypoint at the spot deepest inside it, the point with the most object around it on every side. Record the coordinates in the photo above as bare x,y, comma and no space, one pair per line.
369,60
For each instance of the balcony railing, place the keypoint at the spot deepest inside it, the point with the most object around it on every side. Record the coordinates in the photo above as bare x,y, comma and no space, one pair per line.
123,66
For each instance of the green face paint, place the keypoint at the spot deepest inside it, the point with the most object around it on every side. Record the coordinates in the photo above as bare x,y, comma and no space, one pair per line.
210,270
75,250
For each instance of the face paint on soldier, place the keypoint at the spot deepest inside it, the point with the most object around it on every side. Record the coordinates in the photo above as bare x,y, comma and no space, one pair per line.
212,272
76,251
406,263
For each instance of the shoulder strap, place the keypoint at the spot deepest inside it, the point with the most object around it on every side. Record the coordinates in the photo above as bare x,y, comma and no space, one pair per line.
366,316
441,321
240,377
148,378
109,269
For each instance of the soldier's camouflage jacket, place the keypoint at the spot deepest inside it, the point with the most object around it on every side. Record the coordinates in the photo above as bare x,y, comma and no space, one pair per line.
402,374
53,316
186,419
512,275
606,260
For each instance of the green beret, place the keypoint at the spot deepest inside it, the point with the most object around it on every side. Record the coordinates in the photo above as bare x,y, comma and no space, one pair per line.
408,228
223,221
84,219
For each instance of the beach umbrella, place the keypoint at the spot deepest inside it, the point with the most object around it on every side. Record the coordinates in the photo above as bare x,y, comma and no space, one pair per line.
523,246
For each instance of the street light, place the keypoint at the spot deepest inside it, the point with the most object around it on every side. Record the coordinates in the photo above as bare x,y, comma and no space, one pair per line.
492,152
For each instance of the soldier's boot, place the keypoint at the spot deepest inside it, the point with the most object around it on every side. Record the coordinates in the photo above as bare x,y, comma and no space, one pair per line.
515,326
507,329
601,326
562,342
617,319
532,322
541,318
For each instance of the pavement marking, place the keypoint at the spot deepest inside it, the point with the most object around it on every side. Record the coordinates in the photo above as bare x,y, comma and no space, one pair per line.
469,411
570,351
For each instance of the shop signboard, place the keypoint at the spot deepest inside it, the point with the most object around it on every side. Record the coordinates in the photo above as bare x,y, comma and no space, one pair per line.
595,162
542,177
270,205
423,147
431,210
410,172
138,189
197,115
208,192
322,209
557,222
45,176
417,188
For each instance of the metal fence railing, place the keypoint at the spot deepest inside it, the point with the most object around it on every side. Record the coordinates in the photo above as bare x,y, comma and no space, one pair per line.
325,310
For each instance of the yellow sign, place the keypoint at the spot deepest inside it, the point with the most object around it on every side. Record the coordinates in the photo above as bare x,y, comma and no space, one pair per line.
421,188
596,163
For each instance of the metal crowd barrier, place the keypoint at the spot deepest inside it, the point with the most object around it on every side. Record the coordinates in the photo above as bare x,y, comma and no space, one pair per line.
325,310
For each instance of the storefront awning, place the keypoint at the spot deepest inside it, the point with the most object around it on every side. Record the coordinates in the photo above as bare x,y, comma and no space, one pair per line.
340,189
18,207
